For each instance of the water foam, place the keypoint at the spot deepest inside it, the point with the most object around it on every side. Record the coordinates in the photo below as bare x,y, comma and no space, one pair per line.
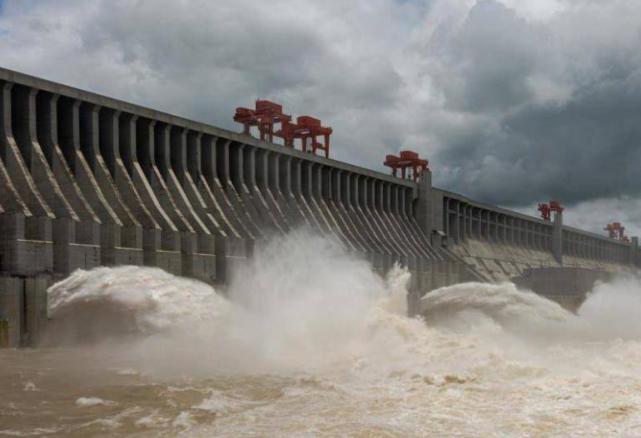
503,303
303,303
609,312
145,300
308,339
300,303
93,401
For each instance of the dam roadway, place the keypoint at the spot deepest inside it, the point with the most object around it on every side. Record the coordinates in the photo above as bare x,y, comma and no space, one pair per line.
86,181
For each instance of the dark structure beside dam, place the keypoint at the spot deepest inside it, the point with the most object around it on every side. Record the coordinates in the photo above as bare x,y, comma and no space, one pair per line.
86,181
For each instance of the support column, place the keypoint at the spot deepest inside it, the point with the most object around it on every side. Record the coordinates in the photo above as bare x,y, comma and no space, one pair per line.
557,237
426,208
634,251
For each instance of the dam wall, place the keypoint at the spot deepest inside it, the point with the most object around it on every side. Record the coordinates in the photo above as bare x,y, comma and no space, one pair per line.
501,244
89,181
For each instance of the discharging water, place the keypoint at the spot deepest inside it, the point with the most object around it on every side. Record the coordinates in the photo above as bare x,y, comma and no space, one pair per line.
309,341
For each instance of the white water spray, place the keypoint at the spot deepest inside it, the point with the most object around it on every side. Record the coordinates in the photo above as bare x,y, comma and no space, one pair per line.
300,303
328,341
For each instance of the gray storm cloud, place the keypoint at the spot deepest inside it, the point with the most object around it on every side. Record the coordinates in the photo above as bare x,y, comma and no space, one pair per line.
513,102
562,117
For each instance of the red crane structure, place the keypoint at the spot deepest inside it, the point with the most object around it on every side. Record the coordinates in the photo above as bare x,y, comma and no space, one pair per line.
308,130
407,160
556,206
546,209
616,231
269,115
266,115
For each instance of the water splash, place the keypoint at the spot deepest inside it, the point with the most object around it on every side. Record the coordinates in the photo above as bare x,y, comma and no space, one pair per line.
308,339
303,303
503,303
300,303
106,303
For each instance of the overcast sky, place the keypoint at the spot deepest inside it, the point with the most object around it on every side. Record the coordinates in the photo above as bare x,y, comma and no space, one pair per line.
512,101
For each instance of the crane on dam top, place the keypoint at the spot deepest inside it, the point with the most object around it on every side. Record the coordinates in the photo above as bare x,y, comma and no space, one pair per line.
546,209
271,122
616,231
409,164
307,129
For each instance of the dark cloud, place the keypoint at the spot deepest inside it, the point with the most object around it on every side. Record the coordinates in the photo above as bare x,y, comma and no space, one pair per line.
551,130
513,101
587,148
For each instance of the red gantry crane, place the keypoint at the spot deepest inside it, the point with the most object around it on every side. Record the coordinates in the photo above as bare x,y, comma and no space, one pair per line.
546,209
616,231
308,130
407,160
266,115
272,122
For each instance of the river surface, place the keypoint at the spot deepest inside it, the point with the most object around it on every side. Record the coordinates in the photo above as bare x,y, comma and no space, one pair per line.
308,342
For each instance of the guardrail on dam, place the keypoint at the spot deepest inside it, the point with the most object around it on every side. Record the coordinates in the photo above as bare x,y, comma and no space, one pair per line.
86,180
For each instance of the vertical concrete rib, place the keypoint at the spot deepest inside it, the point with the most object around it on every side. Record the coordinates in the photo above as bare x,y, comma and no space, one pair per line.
206,178
203,261
38,226
228,169
253,191
366,204
403,246
263,186
176,156
397,233
231,248
186,165
157,171
67,256
386,253
240,174
110,136
88,227
23,116
342,201
141,154
68,125
320,192
299,183
137,149
129,173
131,233
307,195
9,197
283,178
271,163
329,199
18,254
315,199
351,191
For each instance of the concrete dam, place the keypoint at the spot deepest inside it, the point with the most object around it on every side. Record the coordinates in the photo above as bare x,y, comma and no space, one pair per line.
86,181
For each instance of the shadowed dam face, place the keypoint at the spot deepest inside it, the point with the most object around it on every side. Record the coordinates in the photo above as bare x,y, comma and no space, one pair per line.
310,340
568,286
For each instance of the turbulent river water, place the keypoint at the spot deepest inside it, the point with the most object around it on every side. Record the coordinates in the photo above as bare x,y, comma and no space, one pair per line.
308,341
